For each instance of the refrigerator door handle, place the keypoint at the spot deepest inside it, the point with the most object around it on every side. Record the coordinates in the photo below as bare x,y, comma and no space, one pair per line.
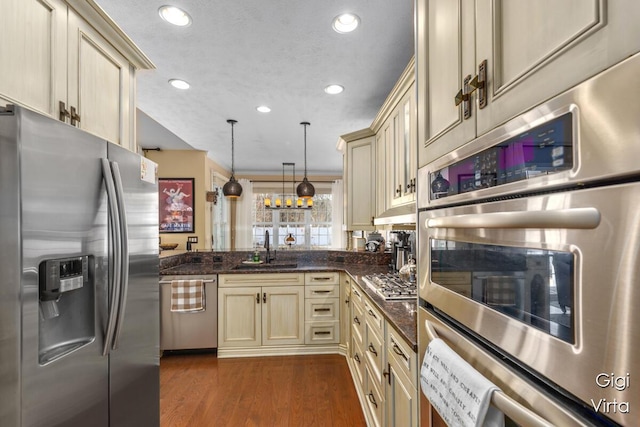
124,253
116,274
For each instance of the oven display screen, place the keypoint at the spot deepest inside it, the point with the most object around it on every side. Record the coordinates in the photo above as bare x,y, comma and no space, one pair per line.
542,150
535,287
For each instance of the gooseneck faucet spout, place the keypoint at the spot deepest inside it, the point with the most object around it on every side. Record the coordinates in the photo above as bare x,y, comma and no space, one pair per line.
268,258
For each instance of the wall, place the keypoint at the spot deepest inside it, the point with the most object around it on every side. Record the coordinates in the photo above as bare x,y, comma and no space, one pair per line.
190,164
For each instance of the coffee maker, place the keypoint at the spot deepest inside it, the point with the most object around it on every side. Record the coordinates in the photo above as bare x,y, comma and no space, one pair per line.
401,250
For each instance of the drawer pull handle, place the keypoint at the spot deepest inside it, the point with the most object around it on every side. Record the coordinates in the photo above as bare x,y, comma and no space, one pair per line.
322,279
64,113
387,373
356,358
322,333
397,350
321,292
372,349
356,320
372,399
321,309
373,314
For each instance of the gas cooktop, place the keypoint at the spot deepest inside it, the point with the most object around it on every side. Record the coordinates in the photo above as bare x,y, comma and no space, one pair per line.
391,287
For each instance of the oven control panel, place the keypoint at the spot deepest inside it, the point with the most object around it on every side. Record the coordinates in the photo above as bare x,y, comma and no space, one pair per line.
542,150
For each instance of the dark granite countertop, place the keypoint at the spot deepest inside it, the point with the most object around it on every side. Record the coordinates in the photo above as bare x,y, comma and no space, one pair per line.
402,315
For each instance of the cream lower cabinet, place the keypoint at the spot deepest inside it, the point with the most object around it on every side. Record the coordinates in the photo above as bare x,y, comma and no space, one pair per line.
57,62
345,313
258,310
402,398
383,366
322,308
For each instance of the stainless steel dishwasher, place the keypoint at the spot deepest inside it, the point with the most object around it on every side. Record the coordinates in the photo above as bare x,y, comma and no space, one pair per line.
189,330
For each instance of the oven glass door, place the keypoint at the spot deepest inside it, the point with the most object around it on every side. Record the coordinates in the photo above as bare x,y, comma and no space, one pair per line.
549,281
533,286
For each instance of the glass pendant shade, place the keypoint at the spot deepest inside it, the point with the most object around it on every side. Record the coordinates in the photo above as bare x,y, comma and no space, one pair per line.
305,189
232,189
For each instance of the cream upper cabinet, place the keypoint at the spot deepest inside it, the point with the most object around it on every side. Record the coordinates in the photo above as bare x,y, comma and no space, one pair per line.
500,58
360,180
100,85
383,174
396,139
33,53
68,60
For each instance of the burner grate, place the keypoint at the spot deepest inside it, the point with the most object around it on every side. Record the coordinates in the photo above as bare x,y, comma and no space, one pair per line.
391,287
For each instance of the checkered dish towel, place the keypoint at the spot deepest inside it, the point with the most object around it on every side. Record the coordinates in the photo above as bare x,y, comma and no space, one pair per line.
187,296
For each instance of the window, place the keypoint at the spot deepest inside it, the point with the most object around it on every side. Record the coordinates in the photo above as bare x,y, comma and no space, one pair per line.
310,228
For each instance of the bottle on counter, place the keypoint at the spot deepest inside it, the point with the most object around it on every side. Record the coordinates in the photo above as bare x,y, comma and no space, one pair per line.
256,256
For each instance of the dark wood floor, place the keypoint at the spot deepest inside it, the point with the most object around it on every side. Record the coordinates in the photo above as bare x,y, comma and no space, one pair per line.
311,390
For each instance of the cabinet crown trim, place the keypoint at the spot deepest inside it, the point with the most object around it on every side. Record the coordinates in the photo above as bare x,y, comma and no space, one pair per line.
103,23
401,87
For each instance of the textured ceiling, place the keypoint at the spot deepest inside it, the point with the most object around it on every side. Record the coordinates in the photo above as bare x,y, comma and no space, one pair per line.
282,53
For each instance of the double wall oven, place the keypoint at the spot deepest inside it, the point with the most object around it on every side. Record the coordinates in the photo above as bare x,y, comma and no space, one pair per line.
529,255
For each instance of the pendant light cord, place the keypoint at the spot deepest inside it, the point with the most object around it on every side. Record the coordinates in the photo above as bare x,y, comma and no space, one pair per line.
305,124
232,122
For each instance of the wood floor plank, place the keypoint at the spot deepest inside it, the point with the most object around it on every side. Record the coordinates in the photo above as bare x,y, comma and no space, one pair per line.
310,390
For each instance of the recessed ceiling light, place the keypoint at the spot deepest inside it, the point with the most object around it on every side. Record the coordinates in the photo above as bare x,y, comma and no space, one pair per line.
175,16
263,109
345,23
179,84
333,89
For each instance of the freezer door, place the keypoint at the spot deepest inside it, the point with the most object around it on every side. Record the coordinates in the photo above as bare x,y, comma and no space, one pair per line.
134,360
63,220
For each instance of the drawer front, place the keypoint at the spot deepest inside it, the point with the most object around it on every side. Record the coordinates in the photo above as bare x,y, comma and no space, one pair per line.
322,332
332,278
357,294
374,352
322,291
401,356
373,398
374,318
327,309
357,322
358,361
260,279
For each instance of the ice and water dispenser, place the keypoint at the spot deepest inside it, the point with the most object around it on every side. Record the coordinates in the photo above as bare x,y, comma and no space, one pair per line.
67,306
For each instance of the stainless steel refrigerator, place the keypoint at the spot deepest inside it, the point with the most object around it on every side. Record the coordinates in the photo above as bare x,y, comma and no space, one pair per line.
79,311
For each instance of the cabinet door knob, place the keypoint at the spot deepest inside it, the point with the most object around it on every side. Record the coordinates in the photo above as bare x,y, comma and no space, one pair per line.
264,297
258,298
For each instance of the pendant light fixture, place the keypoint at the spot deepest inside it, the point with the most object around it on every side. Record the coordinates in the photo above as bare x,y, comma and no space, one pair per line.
305,189
288,201
232,189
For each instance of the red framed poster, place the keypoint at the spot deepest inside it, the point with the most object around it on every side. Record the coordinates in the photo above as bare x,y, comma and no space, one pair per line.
176,205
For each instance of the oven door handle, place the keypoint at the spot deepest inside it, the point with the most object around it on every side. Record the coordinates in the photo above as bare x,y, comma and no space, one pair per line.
574,218
514,410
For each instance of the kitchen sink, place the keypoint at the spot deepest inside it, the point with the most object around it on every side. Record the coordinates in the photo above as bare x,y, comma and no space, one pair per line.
264,266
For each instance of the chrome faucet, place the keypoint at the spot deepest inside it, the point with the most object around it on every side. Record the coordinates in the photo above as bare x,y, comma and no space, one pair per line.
268,258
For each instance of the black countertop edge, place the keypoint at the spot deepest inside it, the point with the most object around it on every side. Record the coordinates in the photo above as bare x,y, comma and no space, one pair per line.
402,315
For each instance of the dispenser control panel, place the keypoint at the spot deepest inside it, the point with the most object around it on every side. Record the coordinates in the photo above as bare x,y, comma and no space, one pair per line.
62,275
